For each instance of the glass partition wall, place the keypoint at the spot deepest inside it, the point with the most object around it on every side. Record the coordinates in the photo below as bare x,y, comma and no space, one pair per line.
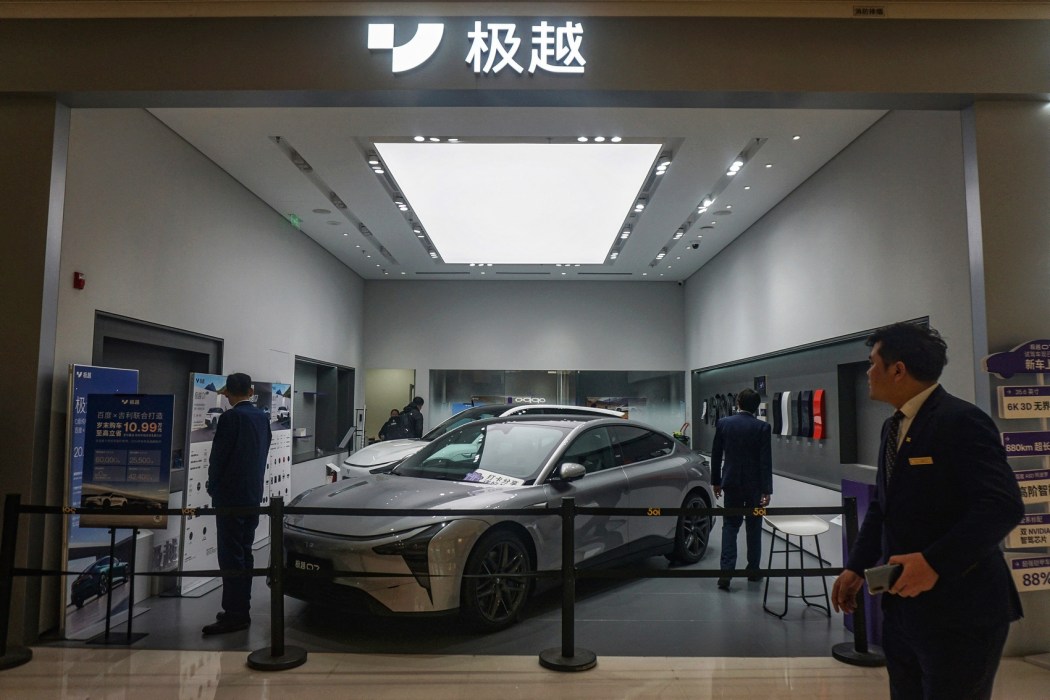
653,397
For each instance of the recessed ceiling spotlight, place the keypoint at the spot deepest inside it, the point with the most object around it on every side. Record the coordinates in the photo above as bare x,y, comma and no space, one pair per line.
403,272
769,165
378,265
729,206
333,223
677,258
582,139
576,265
565,273
708,201
679,233
640,205
645,274
730,173
626,234
322,211
599,139
346,234
378,171
616,139
368,256
418,139
453,140
434,139
747,187
373,159
482,272
796,137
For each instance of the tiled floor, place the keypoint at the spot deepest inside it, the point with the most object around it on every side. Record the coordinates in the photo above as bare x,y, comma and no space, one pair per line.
121,674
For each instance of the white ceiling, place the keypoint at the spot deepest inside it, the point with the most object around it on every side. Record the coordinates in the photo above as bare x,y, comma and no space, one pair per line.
335,142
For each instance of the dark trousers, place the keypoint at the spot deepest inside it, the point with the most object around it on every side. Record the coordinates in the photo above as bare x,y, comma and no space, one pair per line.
235,535
741,498
953,661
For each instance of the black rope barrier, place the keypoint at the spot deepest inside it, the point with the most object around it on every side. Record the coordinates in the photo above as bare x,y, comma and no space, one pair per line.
567,657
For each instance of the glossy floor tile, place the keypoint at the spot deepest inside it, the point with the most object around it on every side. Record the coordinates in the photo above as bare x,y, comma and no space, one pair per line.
121,674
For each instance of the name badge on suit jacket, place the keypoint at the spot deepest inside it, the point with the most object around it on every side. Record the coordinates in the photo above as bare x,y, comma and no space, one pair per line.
920,461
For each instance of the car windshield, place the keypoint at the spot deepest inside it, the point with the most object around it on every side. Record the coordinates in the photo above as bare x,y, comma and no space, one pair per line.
466,416
501,454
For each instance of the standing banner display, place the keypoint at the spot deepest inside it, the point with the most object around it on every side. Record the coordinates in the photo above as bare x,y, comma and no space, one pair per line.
84,547
206,405
127,459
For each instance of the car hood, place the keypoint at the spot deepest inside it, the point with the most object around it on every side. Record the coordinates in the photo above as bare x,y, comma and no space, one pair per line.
385,452
393,491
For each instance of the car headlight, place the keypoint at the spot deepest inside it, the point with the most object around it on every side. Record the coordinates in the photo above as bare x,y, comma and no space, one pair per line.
414,550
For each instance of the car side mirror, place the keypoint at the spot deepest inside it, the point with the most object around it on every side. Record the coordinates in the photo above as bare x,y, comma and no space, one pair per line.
571,471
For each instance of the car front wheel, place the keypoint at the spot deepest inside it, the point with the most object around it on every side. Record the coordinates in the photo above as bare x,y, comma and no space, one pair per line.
691,533
496,584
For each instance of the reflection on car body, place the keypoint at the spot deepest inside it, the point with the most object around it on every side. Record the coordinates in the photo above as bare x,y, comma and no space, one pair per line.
382,455
440,562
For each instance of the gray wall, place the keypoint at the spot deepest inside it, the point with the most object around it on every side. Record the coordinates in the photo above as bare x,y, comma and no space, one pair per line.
876,236
425,325
165,236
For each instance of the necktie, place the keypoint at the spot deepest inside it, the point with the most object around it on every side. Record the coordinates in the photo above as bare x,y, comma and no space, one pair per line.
892,437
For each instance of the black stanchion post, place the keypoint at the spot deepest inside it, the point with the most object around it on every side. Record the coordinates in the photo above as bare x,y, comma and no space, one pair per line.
857,652
13,656
277,656
568,658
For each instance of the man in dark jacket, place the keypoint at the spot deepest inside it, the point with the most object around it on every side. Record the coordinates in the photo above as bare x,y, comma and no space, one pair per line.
945,497
746,480
411,415
235,478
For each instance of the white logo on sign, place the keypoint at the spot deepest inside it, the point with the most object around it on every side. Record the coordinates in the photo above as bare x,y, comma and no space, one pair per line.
411,54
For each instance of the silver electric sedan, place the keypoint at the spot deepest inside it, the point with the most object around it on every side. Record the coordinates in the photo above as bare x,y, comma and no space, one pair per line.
379,456
479,564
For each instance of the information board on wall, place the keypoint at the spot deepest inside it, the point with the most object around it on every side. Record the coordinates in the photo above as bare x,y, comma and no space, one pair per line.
206,405
1031,573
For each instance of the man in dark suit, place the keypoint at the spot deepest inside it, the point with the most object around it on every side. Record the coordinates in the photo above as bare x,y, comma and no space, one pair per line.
746,479
235,478
945,498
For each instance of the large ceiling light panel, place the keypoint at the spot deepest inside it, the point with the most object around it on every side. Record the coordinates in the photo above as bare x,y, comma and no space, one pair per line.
520,203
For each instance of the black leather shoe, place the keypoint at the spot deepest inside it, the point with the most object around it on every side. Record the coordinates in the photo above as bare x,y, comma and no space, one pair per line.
754,576
723,584
224,626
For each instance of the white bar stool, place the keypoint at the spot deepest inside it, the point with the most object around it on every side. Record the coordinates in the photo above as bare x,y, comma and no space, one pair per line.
796,526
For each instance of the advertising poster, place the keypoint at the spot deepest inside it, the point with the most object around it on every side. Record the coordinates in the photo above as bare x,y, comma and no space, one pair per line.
1034,443
1024,401
127,459
1033,531
1031,573
1035,485
206,405
87,549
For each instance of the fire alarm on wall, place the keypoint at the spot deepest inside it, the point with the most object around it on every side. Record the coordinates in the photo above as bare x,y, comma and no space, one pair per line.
78,280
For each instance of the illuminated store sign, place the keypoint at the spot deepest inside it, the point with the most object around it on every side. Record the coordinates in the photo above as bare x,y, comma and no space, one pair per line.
493,47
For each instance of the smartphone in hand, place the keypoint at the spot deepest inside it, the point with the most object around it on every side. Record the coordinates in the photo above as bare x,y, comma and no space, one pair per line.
882,578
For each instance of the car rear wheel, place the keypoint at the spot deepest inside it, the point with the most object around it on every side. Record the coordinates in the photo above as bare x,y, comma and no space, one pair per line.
495,598
691,533
103,585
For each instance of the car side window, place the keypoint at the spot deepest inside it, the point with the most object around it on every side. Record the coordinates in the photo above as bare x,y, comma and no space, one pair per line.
633,444
593,449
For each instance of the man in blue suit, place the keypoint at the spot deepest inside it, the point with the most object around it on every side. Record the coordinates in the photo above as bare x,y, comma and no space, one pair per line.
945,498
235,478
746,479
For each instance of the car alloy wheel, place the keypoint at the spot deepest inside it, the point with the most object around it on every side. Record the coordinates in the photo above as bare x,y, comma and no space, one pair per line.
495,599
103,585
692,532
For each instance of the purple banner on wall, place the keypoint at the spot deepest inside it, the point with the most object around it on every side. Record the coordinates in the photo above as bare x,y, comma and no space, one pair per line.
1034,443
1032,357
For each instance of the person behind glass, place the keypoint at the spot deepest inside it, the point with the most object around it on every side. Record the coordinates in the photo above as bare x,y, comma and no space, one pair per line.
415,416
235,478
390,428
745,477
945,497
